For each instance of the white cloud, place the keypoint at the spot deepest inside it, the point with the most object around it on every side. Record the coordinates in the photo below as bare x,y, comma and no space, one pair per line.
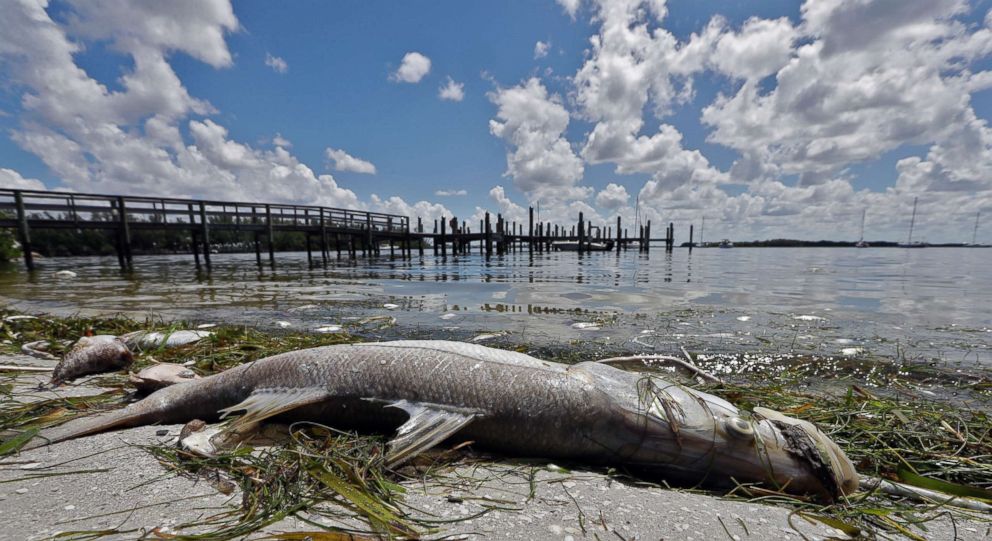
129,140
12,180
541,49
612,197
281,141
571,7
396,205
533,122
346,162
413,68
277,64
452,91
450,193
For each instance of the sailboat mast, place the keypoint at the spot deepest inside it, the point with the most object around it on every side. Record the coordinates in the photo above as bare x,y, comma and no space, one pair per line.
974,234
912,221
863,213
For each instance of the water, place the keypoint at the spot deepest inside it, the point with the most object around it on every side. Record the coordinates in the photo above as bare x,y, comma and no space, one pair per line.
892,303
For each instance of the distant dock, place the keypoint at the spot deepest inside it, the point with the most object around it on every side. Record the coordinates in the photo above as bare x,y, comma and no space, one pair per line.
326,230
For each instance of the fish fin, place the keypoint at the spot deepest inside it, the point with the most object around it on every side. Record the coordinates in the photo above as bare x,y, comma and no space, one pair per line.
428,425
264,403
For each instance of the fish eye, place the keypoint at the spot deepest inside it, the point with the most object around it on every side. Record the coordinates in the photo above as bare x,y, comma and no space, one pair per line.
738,428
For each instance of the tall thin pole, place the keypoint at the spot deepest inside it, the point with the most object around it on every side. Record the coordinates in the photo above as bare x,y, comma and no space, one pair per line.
863,213
912,221
974,234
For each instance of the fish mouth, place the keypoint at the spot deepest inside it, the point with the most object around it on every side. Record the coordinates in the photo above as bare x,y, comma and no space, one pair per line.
826,459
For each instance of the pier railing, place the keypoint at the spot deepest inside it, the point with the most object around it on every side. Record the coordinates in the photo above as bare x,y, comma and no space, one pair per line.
27,210
333,228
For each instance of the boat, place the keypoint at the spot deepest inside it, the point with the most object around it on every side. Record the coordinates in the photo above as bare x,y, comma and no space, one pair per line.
725,243
909,242
570,246
861,243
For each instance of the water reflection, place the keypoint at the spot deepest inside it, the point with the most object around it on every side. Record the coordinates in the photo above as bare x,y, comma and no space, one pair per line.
890,293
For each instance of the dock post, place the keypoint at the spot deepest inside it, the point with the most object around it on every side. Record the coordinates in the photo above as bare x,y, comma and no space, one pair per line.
204,232
255,236
619,238
420,241
647,237
369,248
337,245
444,234
389,227
690,237
193,242
489,237
271,240
582,232
323,237
530,231
306,240
671,236
125,233
23,230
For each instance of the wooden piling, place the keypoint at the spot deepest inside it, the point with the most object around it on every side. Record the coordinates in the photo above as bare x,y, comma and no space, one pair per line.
489,236
24,232
204,234
271,237
530,230
323,238
582,233
619,239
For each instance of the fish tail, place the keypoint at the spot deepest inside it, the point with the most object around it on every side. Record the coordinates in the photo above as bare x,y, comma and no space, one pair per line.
174,404
93,424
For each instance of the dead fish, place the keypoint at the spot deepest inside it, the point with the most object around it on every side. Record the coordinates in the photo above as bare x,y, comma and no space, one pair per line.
142,340
38,349
65,274
92,355
506,401
161,375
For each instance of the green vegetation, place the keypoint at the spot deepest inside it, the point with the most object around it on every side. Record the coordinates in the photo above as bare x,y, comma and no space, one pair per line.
316,472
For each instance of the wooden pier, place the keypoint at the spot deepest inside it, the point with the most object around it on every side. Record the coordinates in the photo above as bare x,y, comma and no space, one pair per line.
325,229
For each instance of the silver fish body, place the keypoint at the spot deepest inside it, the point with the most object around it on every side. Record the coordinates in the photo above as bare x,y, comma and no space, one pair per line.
512,403
92,355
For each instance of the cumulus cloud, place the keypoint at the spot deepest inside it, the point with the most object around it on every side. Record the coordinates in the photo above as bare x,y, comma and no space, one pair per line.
571,7
277,64
612,197
346,162
12,180
414,67
541,49
142,137
396,205
452,91
450,193
533,121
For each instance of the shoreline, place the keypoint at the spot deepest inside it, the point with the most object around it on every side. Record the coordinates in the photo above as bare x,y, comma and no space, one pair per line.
710,515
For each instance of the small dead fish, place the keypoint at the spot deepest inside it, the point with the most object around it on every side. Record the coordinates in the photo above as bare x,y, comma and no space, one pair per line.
141,340
92,355
65,274
157,376
38,349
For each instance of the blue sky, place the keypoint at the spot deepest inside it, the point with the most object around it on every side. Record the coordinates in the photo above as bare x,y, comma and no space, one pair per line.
665,90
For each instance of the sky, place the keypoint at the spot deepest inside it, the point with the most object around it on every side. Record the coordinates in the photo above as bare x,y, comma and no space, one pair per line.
766,119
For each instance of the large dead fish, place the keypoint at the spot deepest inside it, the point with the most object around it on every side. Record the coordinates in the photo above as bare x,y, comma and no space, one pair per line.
508,402
92,355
